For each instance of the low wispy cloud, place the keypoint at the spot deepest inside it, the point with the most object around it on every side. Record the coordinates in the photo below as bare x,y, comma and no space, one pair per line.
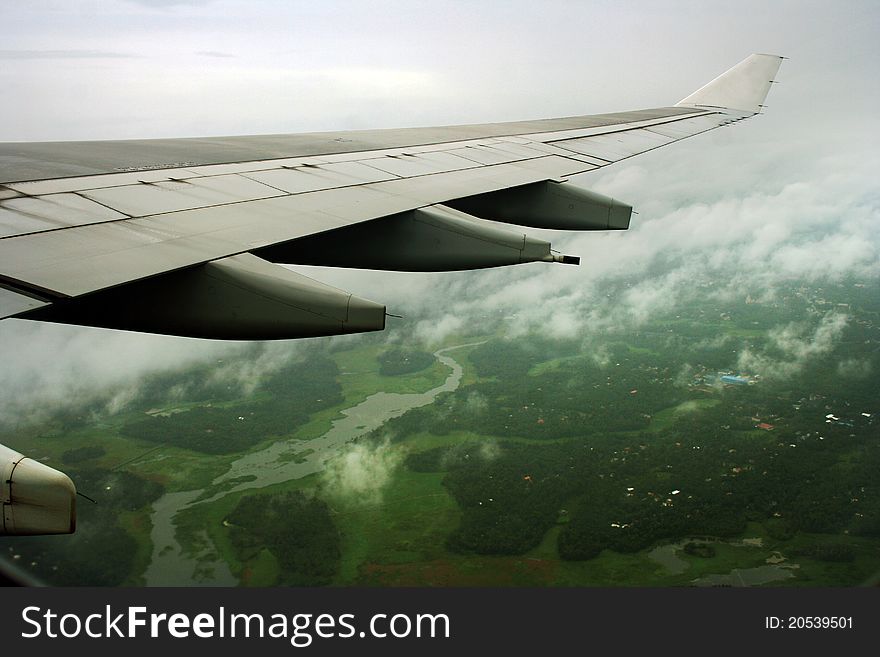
247,368
853,368
49,368
793,346
361,472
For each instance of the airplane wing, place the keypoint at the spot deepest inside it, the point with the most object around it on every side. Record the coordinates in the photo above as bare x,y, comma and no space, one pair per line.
183,236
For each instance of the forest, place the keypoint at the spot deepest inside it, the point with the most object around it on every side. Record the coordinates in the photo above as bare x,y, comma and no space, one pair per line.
606,454
294,528
226,429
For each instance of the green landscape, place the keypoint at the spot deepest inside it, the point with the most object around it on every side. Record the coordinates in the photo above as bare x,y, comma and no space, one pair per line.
728,444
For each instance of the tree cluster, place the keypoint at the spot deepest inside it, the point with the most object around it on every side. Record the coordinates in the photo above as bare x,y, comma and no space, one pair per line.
297,529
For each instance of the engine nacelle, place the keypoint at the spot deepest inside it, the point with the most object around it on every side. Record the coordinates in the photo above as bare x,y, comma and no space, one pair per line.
237,298
36,499
549,204
432,238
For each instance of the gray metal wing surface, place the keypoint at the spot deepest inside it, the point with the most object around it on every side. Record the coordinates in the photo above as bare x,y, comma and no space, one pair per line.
183,236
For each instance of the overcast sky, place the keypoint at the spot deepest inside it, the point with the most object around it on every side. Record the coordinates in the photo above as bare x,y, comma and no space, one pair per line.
789,193
96,69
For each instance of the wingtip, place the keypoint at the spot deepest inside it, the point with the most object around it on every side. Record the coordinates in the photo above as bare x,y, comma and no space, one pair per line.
742,87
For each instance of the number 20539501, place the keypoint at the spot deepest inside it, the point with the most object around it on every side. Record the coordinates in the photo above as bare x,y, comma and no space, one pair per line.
808,622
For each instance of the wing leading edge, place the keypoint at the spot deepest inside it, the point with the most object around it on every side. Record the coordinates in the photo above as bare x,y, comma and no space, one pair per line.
183,236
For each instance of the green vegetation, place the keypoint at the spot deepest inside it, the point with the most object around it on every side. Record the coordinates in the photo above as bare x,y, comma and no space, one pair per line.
296,391
395,362
81,454
407,525
360,376
616,461
702,550
290,530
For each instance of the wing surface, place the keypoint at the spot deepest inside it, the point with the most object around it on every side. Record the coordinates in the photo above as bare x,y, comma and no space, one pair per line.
109,233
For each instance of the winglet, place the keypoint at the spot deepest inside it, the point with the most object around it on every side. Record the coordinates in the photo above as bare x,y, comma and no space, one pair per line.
743,87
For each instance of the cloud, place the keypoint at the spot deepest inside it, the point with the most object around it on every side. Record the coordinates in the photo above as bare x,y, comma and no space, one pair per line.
476,403
48,367
489,450
360,473
52,367
797,347
601,356
791,341
685,376
432,332
248,365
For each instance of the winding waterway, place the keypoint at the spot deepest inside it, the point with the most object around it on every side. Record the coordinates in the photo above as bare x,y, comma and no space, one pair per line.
170,566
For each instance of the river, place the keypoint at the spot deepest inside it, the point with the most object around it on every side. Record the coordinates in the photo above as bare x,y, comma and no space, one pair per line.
169,565
667,556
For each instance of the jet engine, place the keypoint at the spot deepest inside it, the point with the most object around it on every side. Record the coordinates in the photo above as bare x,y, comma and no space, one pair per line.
36,499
